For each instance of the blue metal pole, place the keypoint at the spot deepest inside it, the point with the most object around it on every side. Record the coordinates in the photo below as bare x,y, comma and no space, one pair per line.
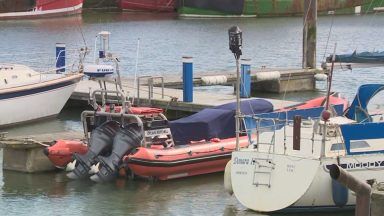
245,85
187,79
60,57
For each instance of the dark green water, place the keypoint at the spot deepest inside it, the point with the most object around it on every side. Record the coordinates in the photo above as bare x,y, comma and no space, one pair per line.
275,42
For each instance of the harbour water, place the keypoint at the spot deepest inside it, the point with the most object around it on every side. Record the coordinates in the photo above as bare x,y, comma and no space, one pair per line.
164,39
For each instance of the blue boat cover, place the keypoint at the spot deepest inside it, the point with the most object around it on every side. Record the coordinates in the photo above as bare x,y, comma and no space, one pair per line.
216,122
363,57
358,109
268,119
360,133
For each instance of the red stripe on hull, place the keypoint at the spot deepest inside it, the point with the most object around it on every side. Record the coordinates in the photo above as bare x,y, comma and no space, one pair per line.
148,5
47,15
165,173
56,4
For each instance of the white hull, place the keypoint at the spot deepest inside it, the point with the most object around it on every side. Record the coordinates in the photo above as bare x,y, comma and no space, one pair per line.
319,195
308,185
277,178
32,103
42,13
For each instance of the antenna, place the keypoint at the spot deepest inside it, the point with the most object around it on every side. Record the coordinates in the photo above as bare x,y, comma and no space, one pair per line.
326,114
330,78
136,66
235,45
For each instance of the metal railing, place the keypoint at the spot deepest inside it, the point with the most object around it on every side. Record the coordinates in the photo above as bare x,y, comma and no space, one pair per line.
150,84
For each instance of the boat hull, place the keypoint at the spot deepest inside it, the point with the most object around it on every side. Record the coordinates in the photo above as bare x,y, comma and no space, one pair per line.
61,152
148,5
35,101
283,166
265,8
183,161
44,9
317,193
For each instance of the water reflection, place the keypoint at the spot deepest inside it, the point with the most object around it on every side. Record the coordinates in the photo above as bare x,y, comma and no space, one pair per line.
113,16
16,184
67,120
194,196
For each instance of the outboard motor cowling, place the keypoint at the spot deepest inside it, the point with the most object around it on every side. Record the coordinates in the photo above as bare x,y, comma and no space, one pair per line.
126,139
101,140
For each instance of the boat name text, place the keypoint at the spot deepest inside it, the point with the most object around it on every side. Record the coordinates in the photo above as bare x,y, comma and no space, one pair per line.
244,161
360,165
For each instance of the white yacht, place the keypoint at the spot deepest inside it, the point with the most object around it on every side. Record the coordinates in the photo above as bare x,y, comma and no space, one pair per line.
27,95
286,167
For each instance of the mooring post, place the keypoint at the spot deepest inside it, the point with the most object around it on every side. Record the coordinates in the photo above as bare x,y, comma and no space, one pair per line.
362,189
309,34
187,79
245,85
60,57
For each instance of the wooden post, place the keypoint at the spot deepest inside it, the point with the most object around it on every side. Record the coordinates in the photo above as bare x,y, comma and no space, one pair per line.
296,132
309,34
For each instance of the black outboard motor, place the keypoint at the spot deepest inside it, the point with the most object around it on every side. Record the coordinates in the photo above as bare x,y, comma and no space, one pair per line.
126,139
101,141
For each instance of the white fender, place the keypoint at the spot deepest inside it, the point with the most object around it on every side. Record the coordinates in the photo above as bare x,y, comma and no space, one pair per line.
227,178
267,76
214,80
321,77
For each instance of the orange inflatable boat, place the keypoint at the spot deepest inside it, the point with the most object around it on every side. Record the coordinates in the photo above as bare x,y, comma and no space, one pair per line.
161,153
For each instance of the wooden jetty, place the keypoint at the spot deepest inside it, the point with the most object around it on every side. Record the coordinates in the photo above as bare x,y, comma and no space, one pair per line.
291,80
169,95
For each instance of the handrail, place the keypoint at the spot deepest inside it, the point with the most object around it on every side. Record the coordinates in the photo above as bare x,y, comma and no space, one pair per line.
150,84
138,87
95,105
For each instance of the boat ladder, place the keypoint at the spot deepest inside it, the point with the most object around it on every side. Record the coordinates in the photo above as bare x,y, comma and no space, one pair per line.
263,171
264,166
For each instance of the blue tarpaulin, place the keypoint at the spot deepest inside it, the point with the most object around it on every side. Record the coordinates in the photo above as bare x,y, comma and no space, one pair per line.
217,122
268,119
363,57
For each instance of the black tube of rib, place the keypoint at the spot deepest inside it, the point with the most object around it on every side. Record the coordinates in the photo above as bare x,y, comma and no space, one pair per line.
101,140
126,139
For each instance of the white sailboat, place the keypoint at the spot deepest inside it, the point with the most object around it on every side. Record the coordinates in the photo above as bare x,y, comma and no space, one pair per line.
27,95
286,167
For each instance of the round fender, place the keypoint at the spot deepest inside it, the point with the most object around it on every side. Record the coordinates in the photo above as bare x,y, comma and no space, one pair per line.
227,178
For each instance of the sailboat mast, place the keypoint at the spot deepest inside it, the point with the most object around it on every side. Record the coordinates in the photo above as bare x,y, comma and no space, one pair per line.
326,114
237,104
330,76
235,45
